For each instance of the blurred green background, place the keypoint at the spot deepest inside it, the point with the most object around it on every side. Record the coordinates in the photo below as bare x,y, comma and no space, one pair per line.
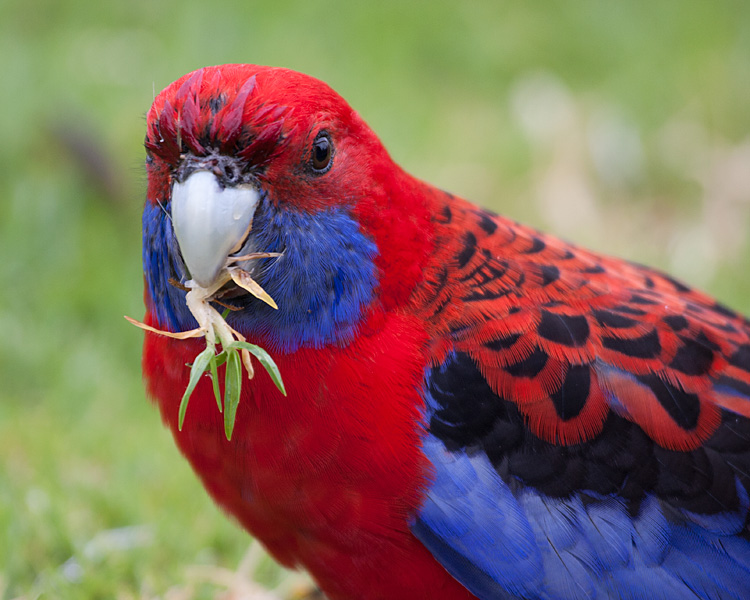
622,126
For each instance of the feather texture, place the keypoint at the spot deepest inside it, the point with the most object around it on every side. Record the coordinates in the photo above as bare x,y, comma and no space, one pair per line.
475,408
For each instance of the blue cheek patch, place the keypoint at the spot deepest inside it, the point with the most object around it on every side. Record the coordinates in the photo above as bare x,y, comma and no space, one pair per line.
322,283
159,264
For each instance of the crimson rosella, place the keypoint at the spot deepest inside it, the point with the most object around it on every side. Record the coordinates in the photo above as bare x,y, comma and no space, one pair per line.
473,408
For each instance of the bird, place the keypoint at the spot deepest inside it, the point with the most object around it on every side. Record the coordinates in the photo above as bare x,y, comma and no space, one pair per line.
473,408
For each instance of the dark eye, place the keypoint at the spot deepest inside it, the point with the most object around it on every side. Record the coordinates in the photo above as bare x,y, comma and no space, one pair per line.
322,152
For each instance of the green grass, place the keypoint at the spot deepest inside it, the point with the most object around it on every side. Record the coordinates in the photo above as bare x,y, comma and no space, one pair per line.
636,132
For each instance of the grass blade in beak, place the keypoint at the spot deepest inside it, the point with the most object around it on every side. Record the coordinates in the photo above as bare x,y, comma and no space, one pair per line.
253,256
199,367
232,388
248,363
181,335
265,360
243,279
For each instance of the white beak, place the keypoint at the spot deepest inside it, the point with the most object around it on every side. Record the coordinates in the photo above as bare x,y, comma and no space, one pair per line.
210,222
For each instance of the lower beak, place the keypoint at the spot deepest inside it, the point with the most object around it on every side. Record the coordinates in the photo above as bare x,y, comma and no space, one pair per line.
210,222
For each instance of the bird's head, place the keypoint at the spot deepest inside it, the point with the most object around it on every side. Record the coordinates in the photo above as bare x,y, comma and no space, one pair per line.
245,159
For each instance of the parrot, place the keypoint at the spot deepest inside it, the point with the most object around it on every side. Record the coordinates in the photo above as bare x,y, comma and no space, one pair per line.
473,408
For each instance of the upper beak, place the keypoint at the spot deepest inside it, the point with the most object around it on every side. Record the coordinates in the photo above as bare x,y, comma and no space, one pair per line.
210,222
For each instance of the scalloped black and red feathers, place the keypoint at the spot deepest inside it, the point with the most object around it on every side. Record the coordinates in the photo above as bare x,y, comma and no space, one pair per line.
570,336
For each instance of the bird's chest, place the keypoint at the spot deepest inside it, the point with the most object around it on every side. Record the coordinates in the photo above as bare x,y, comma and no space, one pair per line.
289,476
328,468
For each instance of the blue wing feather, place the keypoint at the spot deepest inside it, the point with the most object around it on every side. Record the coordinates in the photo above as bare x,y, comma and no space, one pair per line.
503,537
492,552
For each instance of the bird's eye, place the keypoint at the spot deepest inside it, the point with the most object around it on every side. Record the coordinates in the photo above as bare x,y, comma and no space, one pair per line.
322,153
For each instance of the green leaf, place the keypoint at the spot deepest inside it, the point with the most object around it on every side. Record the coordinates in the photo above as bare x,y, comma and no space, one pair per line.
264,359
232,387
221,358
200,364
215,380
